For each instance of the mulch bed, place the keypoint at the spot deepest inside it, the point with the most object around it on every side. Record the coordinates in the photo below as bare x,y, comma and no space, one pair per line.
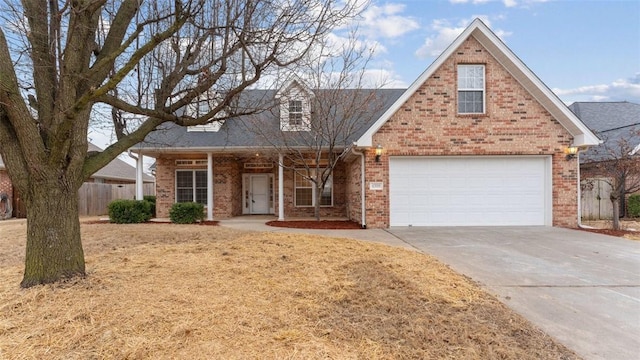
314,224
619,233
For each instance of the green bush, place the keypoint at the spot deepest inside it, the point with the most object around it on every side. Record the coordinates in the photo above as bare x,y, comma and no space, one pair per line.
186,213
633,205
129,211
152,201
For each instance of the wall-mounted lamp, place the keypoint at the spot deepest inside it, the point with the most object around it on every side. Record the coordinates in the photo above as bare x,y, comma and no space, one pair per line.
571,152
378,152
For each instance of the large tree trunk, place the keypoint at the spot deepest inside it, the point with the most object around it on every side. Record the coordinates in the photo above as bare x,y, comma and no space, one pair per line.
54,249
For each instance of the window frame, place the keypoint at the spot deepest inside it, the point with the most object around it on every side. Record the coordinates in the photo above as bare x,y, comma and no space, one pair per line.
466,90
194,186
296,107
299,173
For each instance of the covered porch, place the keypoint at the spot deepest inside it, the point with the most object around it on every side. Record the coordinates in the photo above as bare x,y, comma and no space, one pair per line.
236,183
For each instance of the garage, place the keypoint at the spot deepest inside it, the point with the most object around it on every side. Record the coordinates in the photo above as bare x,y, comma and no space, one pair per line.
470,191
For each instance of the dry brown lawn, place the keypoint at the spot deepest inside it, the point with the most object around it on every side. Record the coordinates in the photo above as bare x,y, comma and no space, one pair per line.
204,292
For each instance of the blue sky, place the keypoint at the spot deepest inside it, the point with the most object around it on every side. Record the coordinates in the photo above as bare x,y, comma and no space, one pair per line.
582,50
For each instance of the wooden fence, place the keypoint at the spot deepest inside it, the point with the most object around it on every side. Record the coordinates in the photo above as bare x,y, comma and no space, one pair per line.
93,198
595,202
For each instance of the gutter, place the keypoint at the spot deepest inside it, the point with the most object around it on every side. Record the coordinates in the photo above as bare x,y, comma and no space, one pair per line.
363,219
131,155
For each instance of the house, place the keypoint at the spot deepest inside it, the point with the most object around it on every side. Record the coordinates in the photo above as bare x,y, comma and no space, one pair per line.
115,172
477,139
612,122
618,125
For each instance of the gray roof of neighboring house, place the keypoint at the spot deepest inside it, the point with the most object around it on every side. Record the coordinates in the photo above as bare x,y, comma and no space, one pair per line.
611,121
115,170
262,129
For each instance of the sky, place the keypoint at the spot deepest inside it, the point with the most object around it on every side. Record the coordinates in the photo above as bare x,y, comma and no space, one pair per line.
582,50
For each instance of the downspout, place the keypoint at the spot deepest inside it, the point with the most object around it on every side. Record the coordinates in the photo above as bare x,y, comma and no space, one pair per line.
363,219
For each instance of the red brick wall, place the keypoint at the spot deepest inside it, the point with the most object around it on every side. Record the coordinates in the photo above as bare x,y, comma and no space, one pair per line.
5,184
227,189
514,124
339,196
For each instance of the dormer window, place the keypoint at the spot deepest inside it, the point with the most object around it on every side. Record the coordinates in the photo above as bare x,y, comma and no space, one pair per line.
295,106
295,113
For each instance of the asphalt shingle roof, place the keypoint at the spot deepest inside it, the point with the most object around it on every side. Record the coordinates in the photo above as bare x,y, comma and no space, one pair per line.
611,121
248,131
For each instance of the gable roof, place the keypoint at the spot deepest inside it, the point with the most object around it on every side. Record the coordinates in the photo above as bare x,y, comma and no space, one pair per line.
582,136
294,81
114,170
612,121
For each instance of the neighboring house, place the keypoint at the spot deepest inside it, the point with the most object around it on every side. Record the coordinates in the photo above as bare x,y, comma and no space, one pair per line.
618,125
115,172
477,139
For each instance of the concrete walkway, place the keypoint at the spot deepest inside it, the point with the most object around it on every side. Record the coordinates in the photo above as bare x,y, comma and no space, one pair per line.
581,288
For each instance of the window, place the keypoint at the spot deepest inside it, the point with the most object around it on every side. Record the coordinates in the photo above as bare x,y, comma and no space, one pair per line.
304,190
191,186
295,112
470,89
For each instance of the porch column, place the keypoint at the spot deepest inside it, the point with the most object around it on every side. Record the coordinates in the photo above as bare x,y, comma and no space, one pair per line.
280,187
209,186
139,181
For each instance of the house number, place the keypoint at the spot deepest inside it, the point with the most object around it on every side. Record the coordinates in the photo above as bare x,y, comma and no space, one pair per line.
376,185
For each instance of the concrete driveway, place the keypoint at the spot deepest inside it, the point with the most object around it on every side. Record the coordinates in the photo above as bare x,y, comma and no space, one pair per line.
581,288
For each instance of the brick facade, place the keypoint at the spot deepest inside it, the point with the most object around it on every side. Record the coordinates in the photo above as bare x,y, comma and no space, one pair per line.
514,123
5,184
228,173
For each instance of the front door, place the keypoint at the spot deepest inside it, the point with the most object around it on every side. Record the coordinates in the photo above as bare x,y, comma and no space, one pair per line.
259,194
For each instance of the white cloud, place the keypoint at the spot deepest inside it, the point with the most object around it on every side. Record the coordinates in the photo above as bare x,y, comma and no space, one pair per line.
385,78
618,90
446,33
386,21
506,3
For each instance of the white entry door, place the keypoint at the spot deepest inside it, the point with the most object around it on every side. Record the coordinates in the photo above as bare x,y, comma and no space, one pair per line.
259,194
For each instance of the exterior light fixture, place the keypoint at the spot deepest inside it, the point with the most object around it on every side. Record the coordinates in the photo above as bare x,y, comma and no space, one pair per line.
378,152
571,152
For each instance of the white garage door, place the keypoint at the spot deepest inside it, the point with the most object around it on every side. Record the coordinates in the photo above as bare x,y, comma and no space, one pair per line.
469,191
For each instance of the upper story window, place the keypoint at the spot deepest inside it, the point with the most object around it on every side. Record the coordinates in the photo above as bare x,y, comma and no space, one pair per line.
295,100
471,89
295,113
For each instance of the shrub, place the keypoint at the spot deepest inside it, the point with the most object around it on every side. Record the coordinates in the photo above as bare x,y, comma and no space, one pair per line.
186,213
129,211
633,205
152,201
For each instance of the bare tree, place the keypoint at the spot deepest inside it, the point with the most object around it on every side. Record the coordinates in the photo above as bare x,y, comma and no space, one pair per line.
338,99
618,160
62,61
